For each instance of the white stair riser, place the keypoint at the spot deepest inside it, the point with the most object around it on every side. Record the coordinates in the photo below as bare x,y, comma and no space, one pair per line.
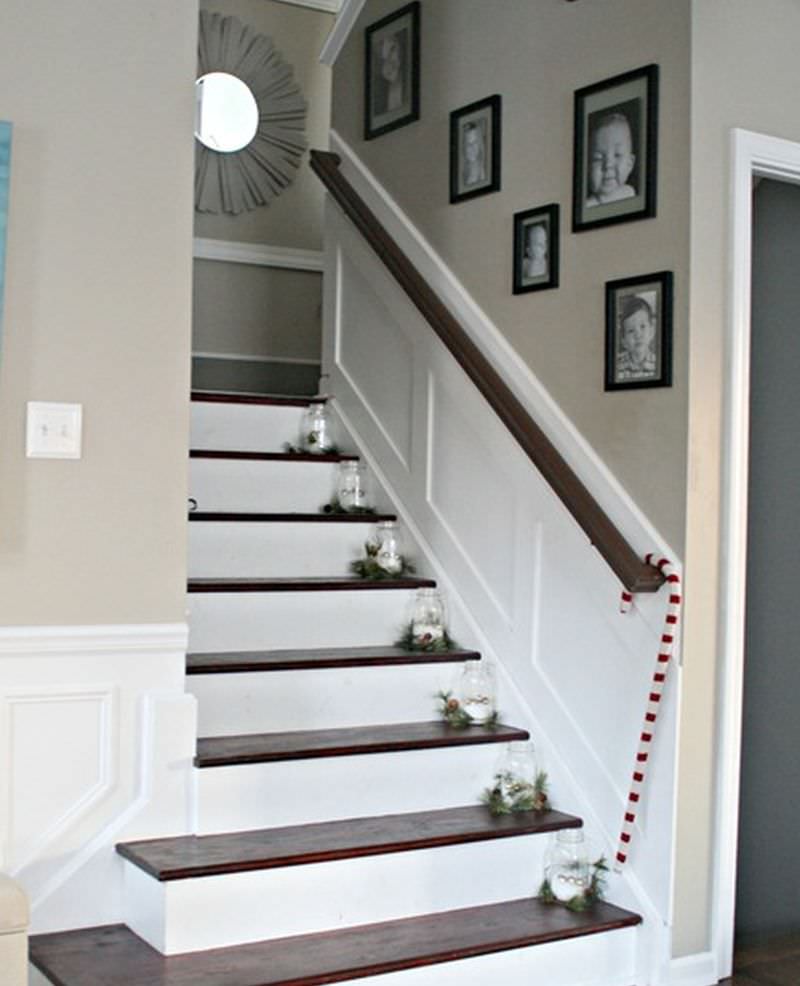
230,909
246,427
264,550
324,699
606,959
247,620
295,792
271,486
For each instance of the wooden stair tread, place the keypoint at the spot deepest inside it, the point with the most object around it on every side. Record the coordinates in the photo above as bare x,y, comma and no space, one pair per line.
232,397
217,751
320,657
114,956
184,857
210,453
273,518
343,583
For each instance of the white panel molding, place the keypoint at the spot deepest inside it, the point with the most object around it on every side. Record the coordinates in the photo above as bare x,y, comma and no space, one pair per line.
137,729
105,700
753,155
257,254
563,604
528,389
345,22
71,640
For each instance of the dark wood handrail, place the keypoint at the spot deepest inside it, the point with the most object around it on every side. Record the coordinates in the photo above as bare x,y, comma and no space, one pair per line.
635,574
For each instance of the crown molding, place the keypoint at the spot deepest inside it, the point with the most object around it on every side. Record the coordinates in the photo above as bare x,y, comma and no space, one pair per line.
257,254
328,6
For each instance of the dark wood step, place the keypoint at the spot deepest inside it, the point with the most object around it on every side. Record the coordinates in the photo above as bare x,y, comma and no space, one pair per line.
235,662
342,583
184,857
228,397
209,453
114,956
307,744
318,518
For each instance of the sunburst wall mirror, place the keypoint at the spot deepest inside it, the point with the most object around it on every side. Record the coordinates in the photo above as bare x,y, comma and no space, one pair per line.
249,118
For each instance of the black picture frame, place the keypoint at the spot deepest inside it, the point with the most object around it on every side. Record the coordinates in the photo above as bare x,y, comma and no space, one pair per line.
632,360
536,248
610,116
391,71
475,129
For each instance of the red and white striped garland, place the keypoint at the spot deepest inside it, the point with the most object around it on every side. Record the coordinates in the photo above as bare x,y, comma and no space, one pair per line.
653,703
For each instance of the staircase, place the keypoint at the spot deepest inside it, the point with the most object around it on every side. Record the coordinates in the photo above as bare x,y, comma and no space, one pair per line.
337,830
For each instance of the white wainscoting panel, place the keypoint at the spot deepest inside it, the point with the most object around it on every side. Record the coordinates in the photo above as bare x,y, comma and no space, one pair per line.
97,735
385,386
524,583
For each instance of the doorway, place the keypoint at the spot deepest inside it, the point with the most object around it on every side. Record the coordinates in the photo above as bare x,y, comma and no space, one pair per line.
768,871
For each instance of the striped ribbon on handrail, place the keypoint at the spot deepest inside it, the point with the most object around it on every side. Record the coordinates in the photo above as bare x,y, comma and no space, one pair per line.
653,703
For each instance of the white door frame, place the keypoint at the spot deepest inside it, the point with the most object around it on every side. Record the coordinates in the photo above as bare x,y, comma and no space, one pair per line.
752,155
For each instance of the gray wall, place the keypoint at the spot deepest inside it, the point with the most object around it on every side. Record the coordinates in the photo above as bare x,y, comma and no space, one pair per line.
97,307
768,899
535,53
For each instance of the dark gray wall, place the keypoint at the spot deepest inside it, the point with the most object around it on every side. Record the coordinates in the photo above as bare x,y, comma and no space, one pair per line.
768,898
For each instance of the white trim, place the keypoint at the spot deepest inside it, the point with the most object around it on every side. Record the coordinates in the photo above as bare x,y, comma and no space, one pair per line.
752,154
694,970
68,640
237,357
528,389
257,254
329,6
345,22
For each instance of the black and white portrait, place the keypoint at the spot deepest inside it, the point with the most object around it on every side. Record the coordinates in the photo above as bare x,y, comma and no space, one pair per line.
392,71
615,153
475,149
536,249
639,332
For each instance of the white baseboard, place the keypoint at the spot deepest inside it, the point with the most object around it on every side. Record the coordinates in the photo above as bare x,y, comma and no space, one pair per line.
699,969
528,389
345,22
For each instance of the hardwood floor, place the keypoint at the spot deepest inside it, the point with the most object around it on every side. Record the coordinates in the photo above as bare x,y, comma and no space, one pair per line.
772,963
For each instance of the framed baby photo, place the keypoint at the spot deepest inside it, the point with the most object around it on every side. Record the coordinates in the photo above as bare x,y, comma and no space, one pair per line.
475,149
615,150
536,249
391,71
639,332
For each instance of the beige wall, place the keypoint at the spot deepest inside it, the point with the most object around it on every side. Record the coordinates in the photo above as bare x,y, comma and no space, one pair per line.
745,73
535,55
97,306
294,219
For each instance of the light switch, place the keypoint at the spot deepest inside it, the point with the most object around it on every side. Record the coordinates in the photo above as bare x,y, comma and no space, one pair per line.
54,430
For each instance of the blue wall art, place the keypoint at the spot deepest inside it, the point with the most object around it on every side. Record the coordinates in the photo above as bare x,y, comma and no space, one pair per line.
5,174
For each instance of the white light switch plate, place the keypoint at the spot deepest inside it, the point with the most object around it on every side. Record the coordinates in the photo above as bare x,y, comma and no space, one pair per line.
54,430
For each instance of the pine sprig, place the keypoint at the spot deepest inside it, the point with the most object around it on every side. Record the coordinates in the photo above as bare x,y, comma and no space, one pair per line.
311,441
509,795
432,645
368,567
455,715
335,507
580,902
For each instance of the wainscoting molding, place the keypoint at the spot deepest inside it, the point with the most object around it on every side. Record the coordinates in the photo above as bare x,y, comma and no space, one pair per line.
257,254
523,582
97,736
